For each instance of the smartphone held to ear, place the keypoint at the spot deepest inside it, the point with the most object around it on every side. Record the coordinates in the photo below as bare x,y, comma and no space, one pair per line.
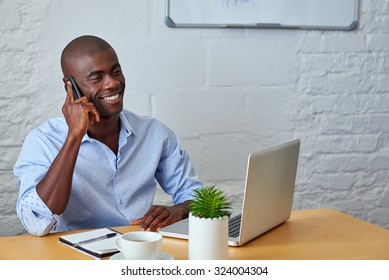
76,90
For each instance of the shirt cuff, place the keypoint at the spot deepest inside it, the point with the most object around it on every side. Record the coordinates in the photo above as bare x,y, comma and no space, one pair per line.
36,216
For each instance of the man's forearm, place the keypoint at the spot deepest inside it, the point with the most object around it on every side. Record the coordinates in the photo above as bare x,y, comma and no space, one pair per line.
55,188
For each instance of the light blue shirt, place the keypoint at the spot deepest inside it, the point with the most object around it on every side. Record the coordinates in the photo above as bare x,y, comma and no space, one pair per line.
107,189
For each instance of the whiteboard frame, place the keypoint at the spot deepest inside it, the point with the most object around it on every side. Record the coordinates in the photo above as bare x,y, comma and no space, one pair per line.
171,22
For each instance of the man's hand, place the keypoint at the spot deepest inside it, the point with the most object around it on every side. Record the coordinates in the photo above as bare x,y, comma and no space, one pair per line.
78,113
160,216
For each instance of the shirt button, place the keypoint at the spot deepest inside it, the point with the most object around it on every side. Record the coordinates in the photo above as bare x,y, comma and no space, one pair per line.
121,201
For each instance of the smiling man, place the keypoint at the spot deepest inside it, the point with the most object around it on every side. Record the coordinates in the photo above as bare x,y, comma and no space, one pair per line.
98,165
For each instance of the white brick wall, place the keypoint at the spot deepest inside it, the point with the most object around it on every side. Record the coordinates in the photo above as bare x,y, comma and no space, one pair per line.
226,92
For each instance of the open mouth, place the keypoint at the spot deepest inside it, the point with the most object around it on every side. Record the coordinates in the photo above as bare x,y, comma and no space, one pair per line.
111,97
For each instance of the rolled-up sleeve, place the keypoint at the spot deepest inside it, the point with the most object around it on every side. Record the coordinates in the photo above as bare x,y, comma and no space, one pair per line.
31,166
175,172
36,218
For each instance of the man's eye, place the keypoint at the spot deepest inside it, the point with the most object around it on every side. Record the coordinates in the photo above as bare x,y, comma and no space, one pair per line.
95,78
117,71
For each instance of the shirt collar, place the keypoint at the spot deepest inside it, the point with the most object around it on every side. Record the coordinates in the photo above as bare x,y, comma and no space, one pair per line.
125,127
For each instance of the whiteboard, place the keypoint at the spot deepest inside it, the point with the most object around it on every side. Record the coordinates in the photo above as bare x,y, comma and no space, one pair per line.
300,14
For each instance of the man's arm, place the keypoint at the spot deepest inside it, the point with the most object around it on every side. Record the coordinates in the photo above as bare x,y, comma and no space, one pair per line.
160,216
177,177
55,187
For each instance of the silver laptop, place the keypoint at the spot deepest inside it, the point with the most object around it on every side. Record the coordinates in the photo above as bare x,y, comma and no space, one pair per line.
268,195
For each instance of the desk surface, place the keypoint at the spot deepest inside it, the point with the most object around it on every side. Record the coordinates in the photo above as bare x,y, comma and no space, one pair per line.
317,234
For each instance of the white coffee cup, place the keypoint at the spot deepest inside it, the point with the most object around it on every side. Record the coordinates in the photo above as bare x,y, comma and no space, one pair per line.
139,245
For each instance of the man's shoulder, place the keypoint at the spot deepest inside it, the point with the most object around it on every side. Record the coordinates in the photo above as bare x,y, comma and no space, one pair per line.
52,127
136,120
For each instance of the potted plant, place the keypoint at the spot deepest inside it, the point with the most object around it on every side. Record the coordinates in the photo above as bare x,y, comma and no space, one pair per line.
209,211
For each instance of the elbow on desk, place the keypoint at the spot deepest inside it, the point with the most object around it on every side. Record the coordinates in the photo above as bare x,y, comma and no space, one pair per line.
36,224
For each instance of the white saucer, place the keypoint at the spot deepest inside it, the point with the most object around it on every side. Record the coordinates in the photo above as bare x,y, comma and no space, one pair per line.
161,256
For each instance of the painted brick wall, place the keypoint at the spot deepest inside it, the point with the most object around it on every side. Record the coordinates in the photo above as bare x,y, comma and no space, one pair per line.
226,92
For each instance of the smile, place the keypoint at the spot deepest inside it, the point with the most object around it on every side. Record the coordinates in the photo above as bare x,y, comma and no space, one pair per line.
111,98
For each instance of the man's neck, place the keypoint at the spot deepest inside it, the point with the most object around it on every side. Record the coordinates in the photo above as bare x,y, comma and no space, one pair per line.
107,132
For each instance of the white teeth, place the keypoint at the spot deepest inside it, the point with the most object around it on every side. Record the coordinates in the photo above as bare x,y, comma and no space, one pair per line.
113,97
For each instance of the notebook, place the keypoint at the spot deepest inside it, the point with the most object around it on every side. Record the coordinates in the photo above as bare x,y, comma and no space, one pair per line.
268,194
99,243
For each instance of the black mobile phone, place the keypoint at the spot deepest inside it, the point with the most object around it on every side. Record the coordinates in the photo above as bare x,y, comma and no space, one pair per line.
76,90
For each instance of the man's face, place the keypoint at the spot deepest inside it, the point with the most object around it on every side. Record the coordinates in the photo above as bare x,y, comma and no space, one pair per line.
100,78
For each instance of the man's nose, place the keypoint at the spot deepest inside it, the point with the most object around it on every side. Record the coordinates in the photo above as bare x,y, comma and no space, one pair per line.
111,82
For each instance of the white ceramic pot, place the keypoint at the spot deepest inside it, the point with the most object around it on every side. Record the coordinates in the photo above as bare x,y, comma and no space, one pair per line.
208,238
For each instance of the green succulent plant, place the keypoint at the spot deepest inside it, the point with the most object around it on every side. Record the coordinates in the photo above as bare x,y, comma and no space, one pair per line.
209,202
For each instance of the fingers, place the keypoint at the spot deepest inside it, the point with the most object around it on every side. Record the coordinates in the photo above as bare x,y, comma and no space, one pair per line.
87,107
90,109
94,116
155,218
69,90
136,222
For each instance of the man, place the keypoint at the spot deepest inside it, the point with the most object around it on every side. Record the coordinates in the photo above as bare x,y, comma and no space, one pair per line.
98,166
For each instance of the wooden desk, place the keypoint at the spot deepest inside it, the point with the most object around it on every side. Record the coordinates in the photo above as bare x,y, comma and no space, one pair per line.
317,234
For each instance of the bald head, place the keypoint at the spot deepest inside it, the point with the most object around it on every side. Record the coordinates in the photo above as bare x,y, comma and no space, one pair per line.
81,46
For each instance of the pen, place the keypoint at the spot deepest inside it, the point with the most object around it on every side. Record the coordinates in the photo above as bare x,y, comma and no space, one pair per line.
109,235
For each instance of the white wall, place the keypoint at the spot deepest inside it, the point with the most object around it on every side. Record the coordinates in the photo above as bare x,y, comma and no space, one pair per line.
226,92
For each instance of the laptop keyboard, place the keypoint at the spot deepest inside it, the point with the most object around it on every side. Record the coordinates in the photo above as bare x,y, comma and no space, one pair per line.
234,226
